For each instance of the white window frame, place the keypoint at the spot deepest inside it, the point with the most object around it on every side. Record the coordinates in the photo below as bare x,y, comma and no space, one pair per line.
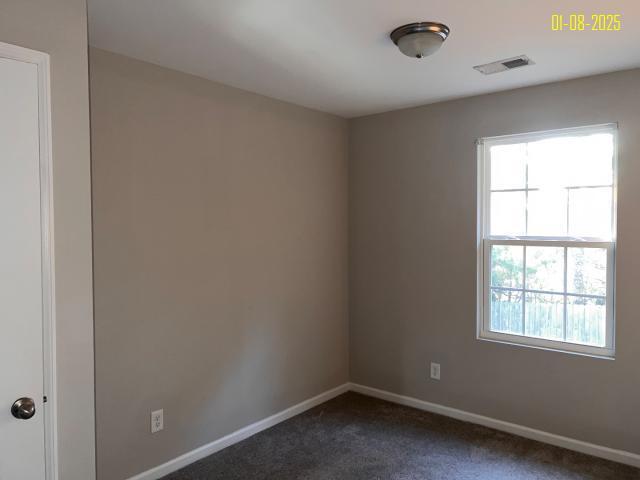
485,242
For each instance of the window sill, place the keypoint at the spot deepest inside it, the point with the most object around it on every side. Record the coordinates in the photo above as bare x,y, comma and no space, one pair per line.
601,353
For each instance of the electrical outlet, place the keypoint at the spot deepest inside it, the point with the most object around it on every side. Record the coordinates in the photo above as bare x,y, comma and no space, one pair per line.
157,421
435,371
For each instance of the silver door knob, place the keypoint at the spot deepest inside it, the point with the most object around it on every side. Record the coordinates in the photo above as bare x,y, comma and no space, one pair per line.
24,408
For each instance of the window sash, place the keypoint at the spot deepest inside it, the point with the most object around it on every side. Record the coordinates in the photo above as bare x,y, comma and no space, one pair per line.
485,241
485,331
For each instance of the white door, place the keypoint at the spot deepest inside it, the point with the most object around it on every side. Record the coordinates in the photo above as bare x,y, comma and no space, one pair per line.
22,440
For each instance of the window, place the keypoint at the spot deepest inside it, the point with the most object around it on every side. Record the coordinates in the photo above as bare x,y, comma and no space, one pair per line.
547,239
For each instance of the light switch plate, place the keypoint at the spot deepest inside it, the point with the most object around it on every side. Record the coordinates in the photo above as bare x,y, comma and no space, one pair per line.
435,371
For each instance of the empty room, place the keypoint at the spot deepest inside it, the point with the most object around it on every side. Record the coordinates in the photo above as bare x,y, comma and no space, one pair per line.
319,240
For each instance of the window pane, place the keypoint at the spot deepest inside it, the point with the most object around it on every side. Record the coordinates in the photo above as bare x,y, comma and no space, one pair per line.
545,268
544,316
594,161
508,213
507,266
590,212
571,161
586,320
506,311
547,213
587,271
550,162
508,166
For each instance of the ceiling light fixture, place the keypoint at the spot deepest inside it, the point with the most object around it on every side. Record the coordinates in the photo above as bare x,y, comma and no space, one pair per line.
420,39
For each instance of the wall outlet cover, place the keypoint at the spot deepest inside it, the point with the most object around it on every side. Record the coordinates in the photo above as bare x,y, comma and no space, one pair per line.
157,420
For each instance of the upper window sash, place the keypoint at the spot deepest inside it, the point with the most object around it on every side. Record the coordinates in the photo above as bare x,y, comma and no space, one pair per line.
485,190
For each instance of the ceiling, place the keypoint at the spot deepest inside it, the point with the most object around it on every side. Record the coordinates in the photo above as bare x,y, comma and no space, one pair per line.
336,56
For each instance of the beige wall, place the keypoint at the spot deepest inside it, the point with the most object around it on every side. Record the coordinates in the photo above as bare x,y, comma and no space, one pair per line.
60,29
220,222
413,263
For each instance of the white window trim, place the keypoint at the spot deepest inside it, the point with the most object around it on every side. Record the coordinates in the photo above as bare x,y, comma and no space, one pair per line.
484,242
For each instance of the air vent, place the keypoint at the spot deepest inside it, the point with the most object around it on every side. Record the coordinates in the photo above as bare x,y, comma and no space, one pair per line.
504,65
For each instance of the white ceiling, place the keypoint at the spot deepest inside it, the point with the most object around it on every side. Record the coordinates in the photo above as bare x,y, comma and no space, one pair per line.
335,55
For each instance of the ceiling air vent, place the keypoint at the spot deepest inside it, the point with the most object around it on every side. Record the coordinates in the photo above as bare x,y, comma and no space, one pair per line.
504,65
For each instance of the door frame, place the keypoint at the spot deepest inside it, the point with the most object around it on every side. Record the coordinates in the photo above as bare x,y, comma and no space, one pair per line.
41,60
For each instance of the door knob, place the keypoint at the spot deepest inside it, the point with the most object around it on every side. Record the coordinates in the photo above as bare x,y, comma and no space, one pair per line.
24,408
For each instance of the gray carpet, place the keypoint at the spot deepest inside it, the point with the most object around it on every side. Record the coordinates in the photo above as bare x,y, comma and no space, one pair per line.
358,437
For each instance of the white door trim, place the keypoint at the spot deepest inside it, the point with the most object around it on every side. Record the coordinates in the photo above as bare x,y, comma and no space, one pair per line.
41,60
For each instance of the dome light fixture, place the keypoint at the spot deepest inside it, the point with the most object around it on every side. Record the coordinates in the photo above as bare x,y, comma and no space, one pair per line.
420,39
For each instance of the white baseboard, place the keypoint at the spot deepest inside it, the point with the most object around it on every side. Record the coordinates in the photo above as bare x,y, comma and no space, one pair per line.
177,463
619,456
239,435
